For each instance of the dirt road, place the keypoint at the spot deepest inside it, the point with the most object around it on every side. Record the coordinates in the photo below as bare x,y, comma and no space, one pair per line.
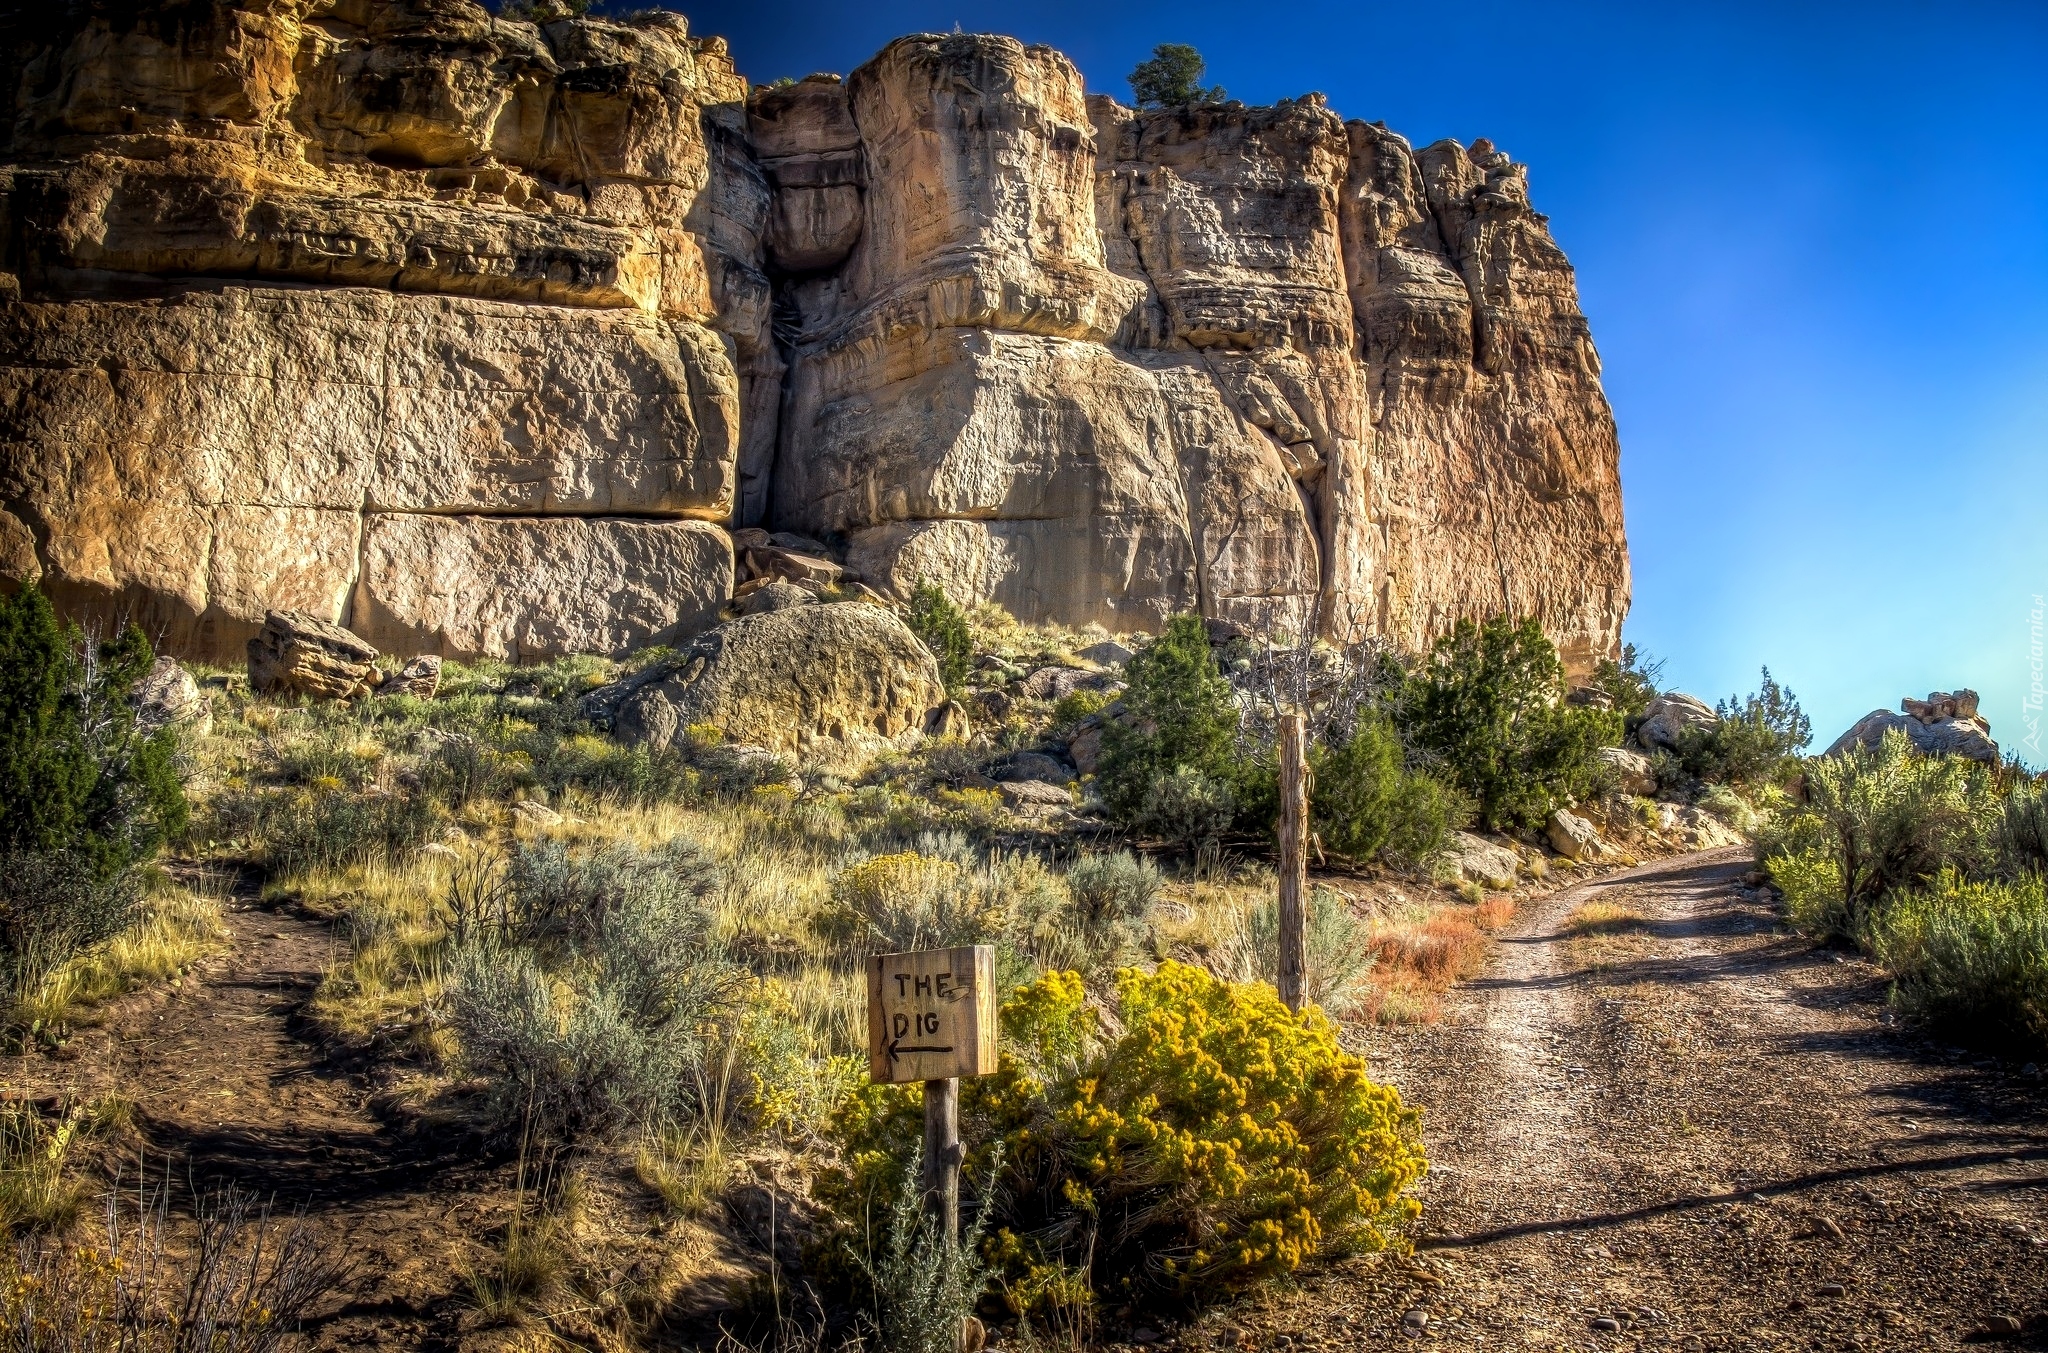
1696,1131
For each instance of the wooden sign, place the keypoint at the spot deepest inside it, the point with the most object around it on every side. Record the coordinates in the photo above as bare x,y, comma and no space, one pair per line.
932,1014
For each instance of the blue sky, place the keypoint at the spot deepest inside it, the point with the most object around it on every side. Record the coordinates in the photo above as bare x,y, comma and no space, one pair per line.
1813,244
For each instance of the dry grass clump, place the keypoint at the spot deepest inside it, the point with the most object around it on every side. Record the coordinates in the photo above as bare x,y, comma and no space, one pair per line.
174,927
1605,918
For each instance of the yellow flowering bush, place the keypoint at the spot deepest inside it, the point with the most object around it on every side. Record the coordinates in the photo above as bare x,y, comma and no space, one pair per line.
1203,1140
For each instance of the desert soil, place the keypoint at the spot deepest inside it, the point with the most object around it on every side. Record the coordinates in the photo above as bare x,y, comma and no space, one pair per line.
1697,1131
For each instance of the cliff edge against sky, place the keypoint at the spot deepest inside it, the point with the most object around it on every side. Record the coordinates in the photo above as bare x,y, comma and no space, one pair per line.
479,336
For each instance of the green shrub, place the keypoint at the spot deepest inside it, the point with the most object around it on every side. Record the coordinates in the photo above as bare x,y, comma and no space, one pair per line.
1366,805
905,901
2020,836
1205,1139
1179,712
1753,741
84,795
1172,78
1630,683
942,627
1098,923
1970,958
1488,704
331,829
1895,819
1811,881
1186,807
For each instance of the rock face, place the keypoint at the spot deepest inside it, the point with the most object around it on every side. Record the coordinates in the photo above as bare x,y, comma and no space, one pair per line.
300,302
1671,716
1944,724
848,673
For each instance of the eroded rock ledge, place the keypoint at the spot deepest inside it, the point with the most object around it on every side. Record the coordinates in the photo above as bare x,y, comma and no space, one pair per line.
478,336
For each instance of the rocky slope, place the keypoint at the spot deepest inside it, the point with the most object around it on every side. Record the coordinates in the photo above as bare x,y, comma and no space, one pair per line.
479,336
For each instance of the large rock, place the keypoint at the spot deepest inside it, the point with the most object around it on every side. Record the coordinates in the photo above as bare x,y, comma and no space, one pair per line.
299,654
1633,773
1944,724
167,695
279,272
1671,716
1478,860
848,673
1573,837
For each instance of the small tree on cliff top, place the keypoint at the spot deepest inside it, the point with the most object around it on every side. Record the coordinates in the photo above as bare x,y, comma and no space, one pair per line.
1172,77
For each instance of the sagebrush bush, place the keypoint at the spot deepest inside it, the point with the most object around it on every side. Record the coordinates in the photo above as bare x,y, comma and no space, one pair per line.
1340,950
895,903
1097,923
1206,1139
604,1022
1186,807
922,1285
1366,804
1488,705
1970,958
2020,836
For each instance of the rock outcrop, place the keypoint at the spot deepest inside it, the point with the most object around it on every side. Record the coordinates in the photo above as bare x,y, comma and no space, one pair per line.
478,336
1944,724
850,673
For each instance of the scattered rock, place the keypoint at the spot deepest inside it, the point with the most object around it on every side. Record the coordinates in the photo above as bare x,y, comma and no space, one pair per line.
848,673
949,721
1480,861
297,654
1416,1319
1592,697
1108,653
168,695
1086,749
536,814
1829,1227
1606,1324
436,850
419,678
1022,766
973,1334
1670,715
1633,773
1024,793
1573,837
2002,1326
1831,1290
775,595
1057,683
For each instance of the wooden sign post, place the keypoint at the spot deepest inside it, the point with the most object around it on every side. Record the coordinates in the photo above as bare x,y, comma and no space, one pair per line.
1293,974
932,1018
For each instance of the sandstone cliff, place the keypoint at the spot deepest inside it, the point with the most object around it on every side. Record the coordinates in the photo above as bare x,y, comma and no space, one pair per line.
477,335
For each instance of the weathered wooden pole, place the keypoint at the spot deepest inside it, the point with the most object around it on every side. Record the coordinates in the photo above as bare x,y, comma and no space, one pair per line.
1293,860
942,1155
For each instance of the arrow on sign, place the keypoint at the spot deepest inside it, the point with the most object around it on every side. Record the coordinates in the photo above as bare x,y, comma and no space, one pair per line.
896,1047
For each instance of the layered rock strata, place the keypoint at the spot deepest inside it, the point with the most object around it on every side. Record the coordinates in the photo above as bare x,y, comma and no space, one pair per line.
479,335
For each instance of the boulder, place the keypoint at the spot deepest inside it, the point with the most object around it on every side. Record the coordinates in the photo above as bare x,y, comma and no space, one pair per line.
1057,683
1086,749
1670,716
949,721
1480,861
1025,766
419,678
168,695
1695,827
1944,724
1633,772
789,680
297,654
1108,653
1573,837
1019,794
